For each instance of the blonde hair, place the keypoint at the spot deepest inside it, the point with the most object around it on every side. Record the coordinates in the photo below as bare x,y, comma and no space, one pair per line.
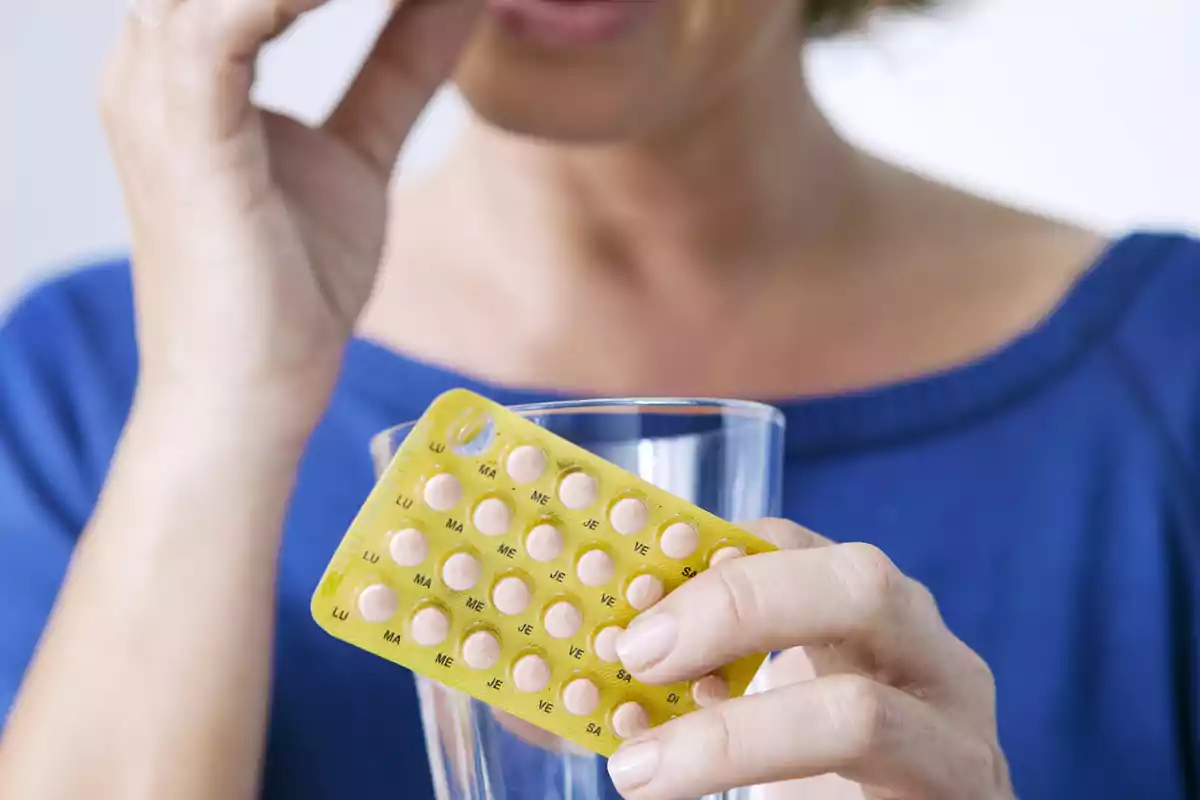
826,17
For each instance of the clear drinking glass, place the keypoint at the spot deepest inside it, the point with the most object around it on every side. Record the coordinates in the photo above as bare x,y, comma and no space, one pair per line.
724,456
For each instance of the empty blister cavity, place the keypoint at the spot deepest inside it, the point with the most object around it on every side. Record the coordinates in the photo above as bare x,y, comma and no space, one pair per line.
492,516
481,650
377,603
604,643
430,626
525,464
578,490
595,568
724,554
644,591
531,673
474,436
679,540
562,619
544,543
461,572
511,595
408,548
580,697
442,492
628,516
630,720
710,690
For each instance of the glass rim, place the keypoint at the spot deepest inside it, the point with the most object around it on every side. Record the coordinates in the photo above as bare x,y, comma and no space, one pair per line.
749,409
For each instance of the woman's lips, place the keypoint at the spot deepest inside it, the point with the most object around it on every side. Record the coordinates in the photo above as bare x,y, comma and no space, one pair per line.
569,22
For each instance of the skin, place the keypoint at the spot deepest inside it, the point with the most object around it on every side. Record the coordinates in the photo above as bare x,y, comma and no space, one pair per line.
715,237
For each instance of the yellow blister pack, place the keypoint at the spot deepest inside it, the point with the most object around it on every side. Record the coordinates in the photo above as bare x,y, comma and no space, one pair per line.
502,560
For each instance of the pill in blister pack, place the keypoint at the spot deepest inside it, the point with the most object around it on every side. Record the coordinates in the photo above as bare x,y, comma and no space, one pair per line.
504,561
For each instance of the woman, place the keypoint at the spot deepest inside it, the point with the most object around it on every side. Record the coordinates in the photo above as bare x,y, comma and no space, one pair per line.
1001,407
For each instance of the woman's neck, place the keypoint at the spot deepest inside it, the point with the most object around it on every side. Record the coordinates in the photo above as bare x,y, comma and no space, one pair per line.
753,178
750,252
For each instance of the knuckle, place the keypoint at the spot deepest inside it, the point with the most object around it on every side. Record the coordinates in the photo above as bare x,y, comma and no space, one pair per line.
983,765
720,745
198,43
979,673
738,599
998,772
980,669
204,41
860,716
922,604
923,598
871,580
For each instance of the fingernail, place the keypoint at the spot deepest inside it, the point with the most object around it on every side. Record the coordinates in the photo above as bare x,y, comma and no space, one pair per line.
647,641
633,765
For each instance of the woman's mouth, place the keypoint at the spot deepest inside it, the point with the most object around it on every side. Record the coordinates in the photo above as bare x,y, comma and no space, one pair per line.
568,23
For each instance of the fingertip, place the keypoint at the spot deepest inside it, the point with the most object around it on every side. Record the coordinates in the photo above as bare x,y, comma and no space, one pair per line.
634,765
647,641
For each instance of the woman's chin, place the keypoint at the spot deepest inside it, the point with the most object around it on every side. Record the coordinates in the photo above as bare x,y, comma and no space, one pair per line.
555,125
608,71
590,96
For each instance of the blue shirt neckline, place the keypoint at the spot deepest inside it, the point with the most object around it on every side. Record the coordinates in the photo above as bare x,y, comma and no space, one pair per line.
872,417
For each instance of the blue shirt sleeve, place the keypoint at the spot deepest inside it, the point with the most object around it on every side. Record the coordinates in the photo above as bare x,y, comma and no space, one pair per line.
66,374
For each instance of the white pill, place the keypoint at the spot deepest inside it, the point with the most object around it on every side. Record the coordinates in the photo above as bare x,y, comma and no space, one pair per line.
604,644
595,568
377,603
628,516
725,554
710,690
581,697
644,591
544,543
461,572
443,492
525,464
492,517
511,595
408,548
679,541
578,491
531,673
481,650
430,626
563,620
630,720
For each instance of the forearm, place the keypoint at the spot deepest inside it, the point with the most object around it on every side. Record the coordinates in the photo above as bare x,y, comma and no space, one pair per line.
152,679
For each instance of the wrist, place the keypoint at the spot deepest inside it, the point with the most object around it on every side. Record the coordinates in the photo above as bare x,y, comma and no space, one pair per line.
274,418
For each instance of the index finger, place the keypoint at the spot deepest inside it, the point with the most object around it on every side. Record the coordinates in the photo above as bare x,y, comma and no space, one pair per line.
411,59
774,601
786,535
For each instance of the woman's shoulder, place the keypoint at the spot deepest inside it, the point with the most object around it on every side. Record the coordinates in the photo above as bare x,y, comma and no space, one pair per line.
68,367
77,325
1155,347
91,303
1159,274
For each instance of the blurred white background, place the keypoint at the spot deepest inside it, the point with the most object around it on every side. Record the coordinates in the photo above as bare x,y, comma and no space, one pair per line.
1089,109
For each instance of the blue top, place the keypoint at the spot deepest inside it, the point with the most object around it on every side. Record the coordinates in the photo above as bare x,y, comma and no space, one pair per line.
1048,494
